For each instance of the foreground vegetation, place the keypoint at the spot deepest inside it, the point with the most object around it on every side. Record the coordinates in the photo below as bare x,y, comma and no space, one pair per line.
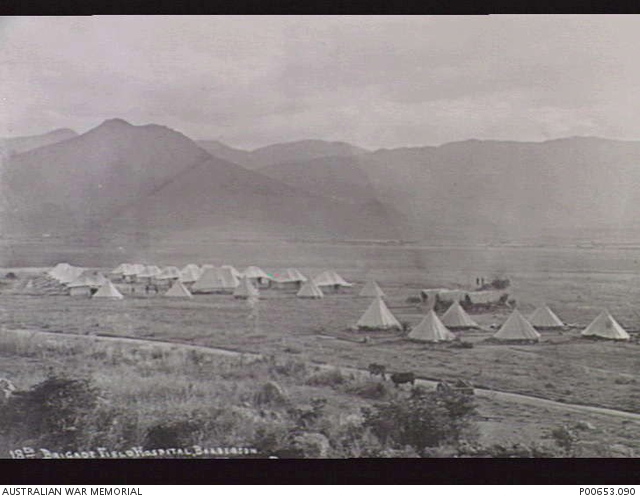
79,394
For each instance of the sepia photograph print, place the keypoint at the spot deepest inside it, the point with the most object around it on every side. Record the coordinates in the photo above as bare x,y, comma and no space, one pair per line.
319,237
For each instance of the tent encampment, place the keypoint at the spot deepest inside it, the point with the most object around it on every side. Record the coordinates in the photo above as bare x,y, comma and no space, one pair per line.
517,328
605,326
108,290
371,290
378,316
431,329
456,317
310,290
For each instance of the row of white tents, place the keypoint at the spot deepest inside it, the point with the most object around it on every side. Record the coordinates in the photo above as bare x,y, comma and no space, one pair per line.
206,279
515,328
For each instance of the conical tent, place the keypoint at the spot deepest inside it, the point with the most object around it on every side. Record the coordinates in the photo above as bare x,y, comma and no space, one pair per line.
516,327
310,290
431,329
371,289
108,290
456,317
605,326
544,317
378,316
216,280
177,290
245,289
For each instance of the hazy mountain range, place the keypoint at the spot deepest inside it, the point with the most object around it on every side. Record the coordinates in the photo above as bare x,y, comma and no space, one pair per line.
120,181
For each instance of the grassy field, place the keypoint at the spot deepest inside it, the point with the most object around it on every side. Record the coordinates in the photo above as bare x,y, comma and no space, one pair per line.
563,367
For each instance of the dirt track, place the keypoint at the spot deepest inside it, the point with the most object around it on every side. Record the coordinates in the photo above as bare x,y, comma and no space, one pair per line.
483,393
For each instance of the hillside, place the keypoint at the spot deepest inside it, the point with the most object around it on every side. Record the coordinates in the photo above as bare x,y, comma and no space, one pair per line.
17,145
338,177
490,190
231,154
288,152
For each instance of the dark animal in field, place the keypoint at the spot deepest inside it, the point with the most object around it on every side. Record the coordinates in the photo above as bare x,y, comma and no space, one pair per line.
378,370
402,378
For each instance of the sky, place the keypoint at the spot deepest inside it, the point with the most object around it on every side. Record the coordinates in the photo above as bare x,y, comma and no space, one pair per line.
374,81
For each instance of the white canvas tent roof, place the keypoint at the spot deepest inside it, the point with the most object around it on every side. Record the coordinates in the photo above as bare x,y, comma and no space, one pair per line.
189,274
177,290
605,326
331,278
516,327
236,273
92,280
69,274
169,272
378,316
289,275
108,290
254,272
456,316
120,269
544,317
245,289
371,289
134,269
310,290
431,329
150,271
58,271
192,268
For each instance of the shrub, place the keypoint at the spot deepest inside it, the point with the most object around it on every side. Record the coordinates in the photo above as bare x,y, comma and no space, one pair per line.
270,394
369,390
424,419
61,413
10,275
172,434
305,417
